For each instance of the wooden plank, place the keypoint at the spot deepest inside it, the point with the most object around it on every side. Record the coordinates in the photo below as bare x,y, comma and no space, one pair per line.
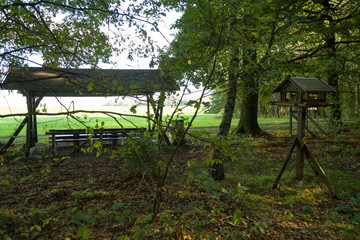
303,104
18,130
300,144
81,135
290,120
109,130
54,146
29,126
276,183
317,169
307,129
316,124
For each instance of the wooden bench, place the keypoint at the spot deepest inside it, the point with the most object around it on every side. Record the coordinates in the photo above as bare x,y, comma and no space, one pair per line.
83,135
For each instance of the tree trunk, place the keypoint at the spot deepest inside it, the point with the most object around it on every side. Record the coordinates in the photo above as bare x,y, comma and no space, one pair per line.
335,111
217,168
333,79
331,68
248,123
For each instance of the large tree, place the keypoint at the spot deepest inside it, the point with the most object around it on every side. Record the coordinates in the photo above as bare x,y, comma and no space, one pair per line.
203,37
327,39
265,29
71,33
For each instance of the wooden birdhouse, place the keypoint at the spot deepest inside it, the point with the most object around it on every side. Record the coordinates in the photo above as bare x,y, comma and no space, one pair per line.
298,91
302,93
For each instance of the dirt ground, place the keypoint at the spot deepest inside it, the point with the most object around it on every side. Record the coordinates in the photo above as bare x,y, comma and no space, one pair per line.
98,198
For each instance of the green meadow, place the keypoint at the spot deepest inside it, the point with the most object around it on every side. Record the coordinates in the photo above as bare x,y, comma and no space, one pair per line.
45,123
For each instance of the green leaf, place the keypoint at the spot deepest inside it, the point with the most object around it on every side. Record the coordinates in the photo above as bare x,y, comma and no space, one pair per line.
37,227
357,217
83,232
343,207
213,236
90,86
77,218
126,212
138,233
120,219
147,133
117,206
168,222
133,109
236,218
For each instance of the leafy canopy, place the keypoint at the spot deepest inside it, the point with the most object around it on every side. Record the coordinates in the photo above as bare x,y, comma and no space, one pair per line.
72,33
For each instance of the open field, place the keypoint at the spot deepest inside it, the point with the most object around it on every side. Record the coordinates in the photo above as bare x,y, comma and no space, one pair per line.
8,125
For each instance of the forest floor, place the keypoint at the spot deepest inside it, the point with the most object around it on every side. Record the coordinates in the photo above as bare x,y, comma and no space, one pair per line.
101,197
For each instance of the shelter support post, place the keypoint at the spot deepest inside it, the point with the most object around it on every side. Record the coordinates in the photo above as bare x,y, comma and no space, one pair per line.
160,107
18,130
158,111
148,112
290,120
31,129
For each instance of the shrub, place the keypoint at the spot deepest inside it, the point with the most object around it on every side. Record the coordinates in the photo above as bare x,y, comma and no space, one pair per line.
139,154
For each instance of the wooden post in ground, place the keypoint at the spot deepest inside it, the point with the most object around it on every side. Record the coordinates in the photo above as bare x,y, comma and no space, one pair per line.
18,130
276,183
148,112
300,154
30,130
290,119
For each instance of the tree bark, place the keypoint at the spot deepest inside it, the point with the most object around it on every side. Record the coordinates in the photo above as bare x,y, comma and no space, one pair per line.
248,122
217,168
331,69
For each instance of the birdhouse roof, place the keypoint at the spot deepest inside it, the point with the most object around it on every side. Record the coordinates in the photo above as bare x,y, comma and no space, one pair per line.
303,85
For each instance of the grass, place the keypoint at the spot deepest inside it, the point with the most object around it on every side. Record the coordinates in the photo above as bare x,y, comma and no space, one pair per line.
8,125
107,198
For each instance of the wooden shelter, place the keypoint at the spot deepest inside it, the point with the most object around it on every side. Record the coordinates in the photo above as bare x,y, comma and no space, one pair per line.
36,83
302,93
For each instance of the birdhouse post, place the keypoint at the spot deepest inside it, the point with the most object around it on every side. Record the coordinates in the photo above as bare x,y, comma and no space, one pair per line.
300,155
302,93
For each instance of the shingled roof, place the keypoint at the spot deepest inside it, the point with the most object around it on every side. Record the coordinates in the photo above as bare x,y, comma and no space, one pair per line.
87,82
305,84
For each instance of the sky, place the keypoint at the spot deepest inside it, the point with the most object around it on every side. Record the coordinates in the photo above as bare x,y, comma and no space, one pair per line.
13,99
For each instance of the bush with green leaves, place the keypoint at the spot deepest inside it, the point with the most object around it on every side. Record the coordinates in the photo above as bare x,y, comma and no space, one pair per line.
139,154
352,209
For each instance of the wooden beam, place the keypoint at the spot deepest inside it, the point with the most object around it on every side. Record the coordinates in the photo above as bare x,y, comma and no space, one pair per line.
317,169
300,146
304,104
29,125
18,130
290,120
148,112
276,183
316,124
307,129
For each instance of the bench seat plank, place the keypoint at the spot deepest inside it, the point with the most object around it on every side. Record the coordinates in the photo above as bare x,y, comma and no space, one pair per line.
82,135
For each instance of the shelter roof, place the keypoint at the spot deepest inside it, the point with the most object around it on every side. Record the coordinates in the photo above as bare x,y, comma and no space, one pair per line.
87,82
304,85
